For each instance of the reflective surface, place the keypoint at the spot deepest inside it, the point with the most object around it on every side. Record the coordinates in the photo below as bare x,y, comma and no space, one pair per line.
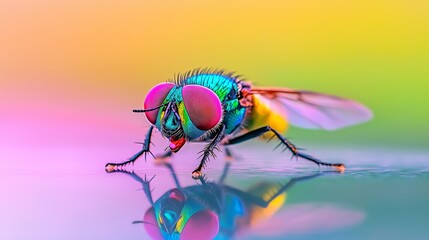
72,70
260,195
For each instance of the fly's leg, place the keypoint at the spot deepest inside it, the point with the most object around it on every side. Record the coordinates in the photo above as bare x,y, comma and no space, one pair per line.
208,151
224,173
283,141
287,186
249,197
173,174
145,150
229,158
228,154
144,182
163,158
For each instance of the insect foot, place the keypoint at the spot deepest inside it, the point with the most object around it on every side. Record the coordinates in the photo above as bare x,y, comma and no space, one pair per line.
110,167
340,167
196,174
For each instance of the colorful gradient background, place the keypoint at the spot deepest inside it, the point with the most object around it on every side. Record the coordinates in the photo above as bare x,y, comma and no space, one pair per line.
71,71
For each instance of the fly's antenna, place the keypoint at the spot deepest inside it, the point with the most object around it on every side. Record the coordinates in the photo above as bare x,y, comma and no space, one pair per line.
149,109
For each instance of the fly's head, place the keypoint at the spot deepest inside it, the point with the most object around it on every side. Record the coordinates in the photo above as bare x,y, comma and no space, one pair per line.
176,215
183,113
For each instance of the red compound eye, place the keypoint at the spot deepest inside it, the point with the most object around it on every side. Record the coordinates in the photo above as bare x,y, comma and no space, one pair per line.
151,225
154,99
202,225
203,106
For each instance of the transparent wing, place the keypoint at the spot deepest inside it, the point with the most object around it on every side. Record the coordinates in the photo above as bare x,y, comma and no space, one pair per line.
314,110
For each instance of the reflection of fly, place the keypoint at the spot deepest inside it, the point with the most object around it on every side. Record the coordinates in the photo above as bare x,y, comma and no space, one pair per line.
221,108
218,211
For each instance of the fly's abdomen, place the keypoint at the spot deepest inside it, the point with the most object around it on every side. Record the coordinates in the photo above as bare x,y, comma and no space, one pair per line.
266,113
266,191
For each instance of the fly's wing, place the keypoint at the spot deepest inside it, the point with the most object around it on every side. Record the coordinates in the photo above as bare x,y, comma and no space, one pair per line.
306,218
314,110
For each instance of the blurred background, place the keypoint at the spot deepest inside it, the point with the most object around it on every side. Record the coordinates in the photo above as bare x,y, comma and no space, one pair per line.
71,71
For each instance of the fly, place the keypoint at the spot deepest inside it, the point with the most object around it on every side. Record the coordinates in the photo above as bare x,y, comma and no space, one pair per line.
221,108
217,210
